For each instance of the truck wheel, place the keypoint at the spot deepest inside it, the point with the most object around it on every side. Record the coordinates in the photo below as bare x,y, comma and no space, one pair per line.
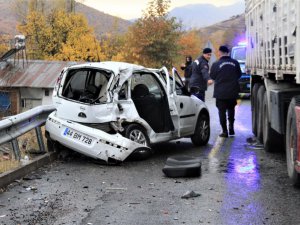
202,131
291,144
272,140
254,107
259,112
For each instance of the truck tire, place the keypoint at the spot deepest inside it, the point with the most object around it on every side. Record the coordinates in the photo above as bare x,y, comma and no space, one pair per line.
254,107
272,140
259,111
291,143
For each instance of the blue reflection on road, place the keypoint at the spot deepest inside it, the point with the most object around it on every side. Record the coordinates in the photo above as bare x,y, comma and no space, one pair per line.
245,171
242,183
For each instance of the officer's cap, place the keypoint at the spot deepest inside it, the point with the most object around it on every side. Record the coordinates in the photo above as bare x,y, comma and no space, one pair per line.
206,51
224,49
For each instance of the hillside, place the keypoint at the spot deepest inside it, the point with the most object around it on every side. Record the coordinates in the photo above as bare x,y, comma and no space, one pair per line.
203,15
101,22
8,20
228,32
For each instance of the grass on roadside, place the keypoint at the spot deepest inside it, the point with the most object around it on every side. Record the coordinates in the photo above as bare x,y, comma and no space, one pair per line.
29,147
7,165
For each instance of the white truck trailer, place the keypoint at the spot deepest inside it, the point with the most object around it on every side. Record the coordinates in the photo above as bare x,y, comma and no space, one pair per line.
273,60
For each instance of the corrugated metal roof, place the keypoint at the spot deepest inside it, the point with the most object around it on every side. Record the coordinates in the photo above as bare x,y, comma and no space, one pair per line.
35,73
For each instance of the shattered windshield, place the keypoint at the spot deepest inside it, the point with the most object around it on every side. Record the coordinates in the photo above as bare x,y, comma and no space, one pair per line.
86,85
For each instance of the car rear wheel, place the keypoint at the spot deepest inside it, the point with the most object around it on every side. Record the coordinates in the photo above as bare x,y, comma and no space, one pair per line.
50,145
138,134
202,131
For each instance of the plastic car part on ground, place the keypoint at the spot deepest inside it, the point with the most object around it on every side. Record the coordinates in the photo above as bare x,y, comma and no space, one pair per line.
182,166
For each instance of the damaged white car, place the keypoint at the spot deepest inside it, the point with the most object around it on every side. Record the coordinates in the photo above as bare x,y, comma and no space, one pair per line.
111,110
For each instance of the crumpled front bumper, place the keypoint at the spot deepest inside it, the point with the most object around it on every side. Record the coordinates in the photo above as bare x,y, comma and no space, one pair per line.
90,141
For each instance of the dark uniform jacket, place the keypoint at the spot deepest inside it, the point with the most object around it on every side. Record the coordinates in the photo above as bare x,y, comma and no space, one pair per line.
200,74
226,73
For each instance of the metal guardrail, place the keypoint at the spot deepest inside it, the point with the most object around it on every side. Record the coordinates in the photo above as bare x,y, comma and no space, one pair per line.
14,126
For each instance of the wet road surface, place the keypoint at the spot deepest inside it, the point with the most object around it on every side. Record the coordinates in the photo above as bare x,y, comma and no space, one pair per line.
240,184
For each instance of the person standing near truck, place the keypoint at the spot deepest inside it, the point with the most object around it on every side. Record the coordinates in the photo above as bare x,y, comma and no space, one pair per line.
226,73
187,68
200,75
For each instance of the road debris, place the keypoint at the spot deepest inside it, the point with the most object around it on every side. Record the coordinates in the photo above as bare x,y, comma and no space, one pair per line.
190,194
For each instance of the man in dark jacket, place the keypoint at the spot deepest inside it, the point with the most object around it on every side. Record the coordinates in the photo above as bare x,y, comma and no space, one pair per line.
200,75
187,68
226,72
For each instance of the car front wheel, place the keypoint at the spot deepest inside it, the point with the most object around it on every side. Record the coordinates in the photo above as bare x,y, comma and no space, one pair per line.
202,131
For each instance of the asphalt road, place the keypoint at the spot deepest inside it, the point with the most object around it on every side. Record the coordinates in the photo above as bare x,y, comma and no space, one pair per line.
240,184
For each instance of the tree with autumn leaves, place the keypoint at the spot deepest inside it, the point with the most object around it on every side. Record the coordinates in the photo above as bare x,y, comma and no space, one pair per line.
59,35
153,40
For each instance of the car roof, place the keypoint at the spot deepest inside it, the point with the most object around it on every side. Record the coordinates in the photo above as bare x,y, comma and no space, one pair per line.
116,67
122,71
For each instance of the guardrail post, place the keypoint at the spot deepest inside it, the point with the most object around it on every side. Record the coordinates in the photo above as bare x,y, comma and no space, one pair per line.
39,136
16,149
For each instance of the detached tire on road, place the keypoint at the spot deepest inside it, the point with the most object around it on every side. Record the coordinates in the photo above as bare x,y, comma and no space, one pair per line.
254,107
272,140
138,134
291,143
202,131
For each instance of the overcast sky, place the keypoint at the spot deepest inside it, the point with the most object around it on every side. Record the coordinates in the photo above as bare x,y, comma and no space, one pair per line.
133,9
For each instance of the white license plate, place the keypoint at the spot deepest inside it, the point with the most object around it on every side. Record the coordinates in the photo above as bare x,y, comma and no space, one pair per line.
77,136
248,86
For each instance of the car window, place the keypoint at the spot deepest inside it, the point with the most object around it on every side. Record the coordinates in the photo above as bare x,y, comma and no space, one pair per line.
75,83
148,80
123,93
239,53
162,76
100,79
179,86
86,85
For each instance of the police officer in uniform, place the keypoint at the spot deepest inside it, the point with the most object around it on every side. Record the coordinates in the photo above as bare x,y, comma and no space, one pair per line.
200,75
226,72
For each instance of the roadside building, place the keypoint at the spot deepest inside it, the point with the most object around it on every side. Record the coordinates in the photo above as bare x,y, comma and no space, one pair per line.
25,86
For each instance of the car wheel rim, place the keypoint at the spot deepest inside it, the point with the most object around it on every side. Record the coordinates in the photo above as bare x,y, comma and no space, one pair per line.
138,136
204,129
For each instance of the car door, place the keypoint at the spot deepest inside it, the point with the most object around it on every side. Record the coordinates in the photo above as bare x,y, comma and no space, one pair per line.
171,100
186,107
